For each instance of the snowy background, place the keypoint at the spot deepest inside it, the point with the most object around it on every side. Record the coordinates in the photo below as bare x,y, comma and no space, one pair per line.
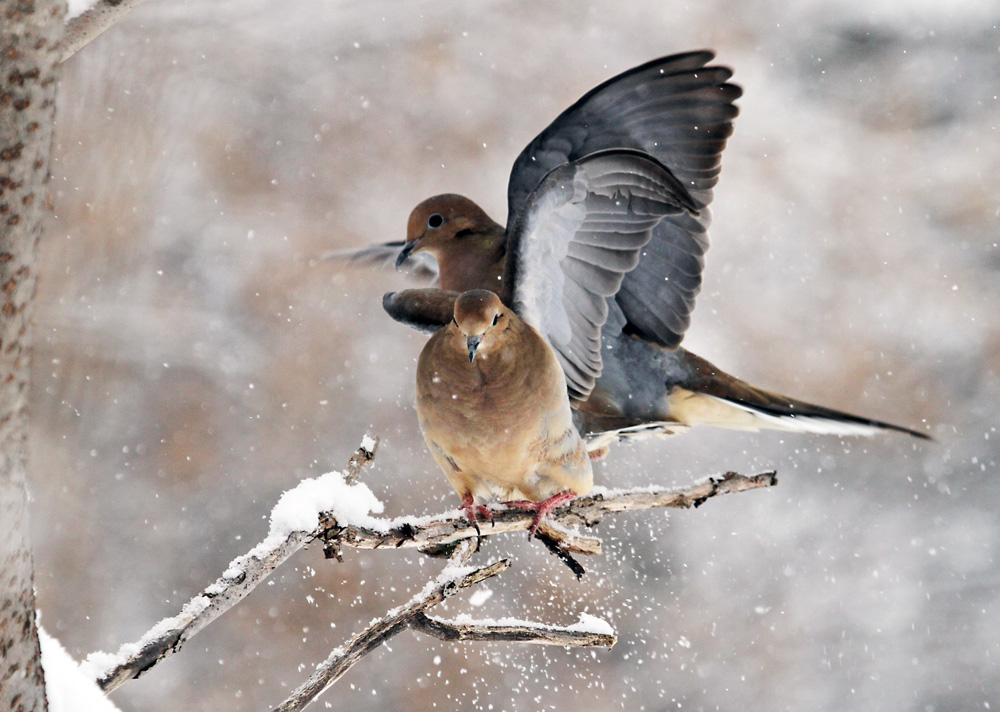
192,364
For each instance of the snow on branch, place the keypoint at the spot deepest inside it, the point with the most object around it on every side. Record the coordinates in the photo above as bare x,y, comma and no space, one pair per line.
335,510
88,19
589,632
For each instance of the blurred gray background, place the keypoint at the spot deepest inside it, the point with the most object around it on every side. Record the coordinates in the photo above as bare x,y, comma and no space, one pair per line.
191,363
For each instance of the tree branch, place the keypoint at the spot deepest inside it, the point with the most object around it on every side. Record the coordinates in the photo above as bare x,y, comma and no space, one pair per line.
590,632
424,532
514,631
89,25
247,571
452,579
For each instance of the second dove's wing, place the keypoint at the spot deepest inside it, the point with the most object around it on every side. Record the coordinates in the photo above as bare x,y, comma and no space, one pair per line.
679,111
582,230
420,266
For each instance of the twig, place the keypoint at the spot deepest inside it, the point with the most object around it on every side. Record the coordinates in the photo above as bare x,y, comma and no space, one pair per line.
453,579
519,632
560,553
87,26
361,458
588,633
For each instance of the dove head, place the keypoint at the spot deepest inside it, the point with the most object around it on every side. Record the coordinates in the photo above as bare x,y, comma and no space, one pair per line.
466,243
481,318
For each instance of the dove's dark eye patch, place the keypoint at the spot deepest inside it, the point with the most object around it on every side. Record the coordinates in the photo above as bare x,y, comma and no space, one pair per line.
435,221
464,233
496,318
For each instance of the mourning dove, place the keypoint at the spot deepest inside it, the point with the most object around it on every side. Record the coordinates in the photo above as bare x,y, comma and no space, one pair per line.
492,392
493,408
677,112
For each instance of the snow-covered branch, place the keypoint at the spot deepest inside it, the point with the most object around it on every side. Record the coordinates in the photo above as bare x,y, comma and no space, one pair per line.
589,632
92,22
336,510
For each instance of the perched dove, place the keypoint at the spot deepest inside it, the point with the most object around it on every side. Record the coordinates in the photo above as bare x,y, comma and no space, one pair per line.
493,408
492,395
619,344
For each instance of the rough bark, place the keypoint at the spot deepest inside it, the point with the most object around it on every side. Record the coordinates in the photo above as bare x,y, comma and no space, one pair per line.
30,31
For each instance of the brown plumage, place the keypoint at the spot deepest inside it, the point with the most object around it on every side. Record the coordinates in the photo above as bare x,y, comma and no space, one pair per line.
467,245
493,408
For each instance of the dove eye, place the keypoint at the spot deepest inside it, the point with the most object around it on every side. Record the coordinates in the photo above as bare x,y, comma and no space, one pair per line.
496,318
435,221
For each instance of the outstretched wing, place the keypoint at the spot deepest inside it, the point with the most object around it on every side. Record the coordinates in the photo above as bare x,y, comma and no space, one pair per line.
582,230
680,112
420,266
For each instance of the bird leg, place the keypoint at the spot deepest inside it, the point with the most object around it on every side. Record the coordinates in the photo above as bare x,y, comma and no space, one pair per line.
473,511
541,508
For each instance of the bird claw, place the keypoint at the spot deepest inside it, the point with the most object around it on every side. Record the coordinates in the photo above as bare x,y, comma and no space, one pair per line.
541,508
474,511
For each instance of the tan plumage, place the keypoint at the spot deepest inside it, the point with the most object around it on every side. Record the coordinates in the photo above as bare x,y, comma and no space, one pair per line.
493,408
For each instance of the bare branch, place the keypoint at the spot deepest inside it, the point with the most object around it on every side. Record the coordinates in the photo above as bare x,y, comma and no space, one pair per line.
87,26
519,632
246,572
361,458
451,580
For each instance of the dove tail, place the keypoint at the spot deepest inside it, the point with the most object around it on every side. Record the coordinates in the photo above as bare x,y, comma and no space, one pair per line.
775,413
712,397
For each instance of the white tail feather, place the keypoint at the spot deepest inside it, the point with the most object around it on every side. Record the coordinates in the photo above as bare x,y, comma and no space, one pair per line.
794,423
596,441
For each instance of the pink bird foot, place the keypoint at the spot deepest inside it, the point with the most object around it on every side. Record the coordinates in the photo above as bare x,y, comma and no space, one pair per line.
541,508
474,511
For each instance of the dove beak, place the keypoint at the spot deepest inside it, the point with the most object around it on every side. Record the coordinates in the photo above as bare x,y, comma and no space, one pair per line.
473,343
405,253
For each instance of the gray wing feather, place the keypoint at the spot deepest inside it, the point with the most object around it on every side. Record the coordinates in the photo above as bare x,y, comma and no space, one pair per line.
679,111
619,260
582,231
420,266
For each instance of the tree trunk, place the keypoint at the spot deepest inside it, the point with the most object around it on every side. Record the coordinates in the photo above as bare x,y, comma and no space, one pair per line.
30,31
